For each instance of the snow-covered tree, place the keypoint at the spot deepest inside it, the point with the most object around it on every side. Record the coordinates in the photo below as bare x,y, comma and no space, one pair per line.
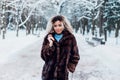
24,11
3,18
112,15
78,9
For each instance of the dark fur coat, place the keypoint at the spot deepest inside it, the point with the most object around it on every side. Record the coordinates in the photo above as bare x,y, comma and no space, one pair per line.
62,57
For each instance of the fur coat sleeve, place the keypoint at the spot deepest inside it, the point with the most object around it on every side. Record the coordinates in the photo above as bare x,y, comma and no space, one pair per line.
74,57
46,51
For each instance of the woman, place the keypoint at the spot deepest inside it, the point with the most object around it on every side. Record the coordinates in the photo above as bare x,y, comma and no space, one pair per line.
59,50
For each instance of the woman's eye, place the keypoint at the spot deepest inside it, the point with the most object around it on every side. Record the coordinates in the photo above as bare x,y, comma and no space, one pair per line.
54,25
60,25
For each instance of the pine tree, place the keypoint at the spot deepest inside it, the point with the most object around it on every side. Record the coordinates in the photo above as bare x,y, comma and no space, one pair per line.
112,14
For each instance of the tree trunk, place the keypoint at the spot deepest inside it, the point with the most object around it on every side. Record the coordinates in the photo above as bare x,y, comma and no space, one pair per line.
100,22
83,29
17,34
93,28
0,30
105,34
116,31
3,36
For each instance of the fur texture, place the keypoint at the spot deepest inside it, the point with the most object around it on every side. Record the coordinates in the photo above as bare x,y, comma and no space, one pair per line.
61,58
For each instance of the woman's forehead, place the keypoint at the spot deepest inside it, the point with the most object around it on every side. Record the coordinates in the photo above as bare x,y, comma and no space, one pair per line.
58,22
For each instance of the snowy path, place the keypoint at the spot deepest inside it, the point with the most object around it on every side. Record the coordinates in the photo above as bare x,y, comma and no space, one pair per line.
24,65
96,63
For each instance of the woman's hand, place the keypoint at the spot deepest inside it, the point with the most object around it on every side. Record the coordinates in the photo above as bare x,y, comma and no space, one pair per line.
50,39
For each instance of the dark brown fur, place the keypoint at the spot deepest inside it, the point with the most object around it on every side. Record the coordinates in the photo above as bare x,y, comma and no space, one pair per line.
62,57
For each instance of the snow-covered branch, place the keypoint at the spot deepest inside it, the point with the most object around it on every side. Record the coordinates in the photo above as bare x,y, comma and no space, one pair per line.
33,7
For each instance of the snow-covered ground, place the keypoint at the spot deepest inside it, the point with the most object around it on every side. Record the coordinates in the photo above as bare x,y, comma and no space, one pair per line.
97,63
100,62
12,44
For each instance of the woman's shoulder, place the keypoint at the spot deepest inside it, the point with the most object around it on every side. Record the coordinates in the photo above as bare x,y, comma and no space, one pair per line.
69,35
72,36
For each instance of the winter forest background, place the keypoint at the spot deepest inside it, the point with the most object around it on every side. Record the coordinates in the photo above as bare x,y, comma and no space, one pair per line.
96,17
96,25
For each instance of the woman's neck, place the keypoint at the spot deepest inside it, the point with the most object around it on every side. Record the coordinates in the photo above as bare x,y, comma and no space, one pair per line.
58,36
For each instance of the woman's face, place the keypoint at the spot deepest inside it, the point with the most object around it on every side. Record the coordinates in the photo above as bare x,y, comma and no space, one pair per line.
58,27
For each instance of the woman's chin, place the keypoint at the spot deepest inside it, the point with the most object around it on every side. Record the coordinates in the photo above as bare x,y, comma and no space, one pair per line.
58,32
